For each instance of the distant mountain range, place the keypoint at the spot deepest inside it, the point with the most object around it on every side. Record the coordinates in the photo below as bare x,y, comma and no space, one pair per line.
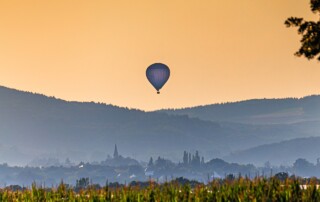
257,111
35,126
285,152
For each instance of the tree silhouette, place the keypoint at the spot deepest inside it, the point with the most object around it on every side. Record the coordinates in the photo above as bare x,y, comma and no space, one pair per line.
310,31
185,158
150,164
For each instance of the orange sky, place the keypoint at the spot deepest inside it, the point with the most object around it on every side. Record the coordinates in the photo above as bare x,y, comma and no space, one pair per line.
98,50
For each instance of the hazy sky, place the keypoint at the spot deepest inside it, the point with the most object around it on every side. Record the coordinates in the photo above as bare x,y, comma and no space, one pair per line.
98,50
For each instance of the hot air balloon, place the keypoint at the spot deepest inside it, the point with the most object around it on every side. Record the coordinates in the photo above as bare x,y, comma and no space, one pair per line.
158,74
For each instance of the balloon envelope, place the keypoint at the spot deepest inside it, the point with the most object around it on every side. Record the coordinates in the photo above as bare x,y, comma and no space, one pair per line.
158,74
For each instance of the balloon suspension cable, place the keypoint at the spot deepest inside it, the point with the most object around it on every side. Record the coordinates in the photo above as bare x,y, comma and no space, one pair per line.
158,92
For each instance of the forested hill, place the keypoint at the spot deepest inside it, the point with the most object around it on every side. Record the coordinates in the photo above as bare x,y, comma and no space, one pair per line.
257,111
36,126
285,152
33,125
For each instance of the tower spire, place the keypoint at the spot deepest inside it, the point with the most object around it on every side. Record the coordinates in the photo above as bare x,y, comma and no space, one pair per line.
115,153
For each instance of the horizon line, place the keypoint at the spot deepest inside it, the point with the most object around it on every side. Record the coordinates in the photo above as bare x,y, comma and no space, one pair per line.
155,110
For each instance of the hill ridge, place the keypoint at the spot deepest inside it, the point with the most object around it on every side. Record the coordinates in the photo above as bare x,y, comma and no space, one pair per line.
34,126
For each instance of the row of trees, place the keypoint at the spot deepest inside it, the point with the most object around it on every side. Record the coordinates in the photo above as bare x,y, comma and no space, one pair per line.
189,159
193,160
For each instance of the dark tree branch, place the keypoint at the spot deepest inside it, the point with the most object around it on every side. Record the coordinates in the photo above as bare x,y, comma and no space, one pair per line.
310,31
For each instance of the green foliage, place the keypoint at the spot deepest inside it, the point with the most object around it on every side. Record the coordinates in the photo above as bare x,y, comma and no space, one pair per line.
310,31
238,189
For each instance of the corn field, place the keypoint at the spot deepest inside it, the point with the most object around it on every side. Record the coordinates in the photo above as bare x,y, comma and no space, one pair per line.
240,189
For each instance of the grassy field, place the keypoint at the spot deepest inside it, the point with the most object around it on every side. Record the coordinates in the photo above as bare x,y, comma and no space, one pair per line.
240,189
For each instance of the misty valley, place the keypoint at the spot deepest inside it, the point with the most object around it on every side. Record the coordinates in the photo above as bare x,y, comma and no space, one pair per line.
45,140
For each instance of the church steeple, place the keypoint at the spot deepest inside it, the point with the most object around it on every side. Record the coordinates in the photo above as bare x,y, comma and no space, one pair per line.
115,153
